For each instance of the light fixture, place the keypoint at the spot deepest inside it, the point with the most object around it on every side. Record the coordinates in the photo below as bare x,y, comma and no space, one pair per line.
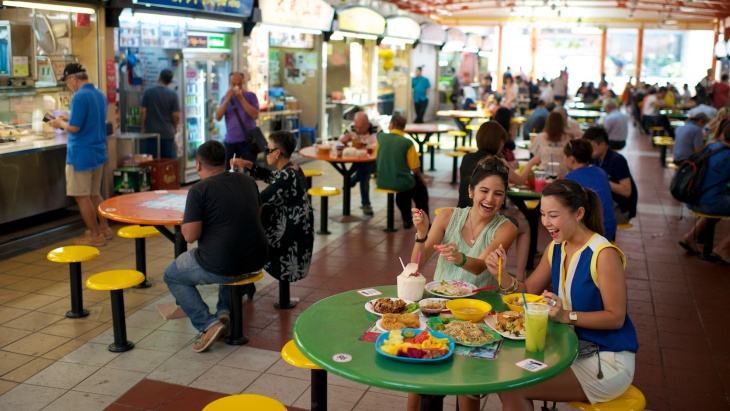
291,30
52,7
395,41
215,23
340,35
207,51
160,18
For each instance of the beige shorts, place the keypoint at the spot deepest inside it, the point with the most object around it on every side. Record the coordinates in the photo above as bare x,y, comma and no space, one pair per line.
618,373
83,183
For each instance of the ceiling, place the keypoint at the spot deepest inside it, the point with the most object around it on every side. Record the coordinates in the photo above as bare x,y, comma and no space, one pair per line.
667,11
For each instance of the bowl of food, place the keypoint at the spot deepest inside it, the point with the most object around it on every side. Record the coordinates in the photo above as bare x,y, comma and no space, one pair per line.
515,302
468,309
431,307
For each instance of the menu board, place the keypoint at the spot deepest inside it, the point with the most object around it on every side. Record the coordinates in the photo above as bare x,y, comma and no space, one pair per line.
172,36
129,34
152,34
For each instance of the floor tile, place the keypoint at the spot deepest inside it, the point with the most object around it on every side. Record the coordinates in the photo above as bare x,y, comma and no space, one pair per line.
9,335
228,380
32,301
63,349
27,370
165,341
177,371
145,319
6,386
140,360
29,397
36,344
191,398
252,359
10,361
381,402
338,398
149,394
30,285
133,334
33,321
286,390
215,355
70,327
179,325
6,280
93,354
108,381
80,401
62,375
10,295
285,369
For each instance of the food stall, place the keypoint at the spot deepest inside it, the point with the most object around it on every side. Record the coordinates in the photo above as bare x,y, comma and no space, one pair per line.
425,55
394,64
352,64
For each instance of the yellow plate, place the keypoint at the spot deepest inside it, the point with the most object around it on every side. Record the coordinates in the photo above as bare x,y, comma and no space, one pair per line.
531,298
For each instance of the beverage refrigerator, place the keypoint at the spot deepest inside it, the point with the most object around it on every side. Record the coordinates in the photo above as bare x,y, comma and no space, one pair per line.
206,82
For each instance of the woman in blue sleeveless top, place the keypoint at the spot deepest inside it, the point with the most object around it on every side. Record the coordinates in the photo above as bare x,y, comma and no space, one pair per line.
587,274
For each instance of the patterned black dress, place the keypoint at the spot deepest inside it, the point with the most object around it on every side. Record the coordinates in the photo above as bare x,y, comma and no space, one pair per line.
288,220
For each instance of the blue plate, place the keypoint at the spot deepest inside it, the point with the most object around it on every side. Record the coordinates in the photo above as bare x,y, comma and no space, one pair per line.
385,336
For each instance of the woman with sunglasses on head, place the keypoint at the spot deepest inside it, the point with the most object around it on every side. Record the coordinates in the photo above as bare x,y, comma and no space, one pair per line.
286,212
491,138
464,237
587,273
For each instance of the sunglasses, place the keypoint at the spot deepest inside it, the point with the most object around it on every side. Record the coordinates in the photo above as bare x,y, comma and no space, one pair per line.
501,169
271,150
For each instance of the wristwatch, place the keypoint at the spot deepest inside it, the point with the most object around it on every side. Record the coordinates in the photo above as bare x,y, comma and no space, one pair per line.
421,240
573,316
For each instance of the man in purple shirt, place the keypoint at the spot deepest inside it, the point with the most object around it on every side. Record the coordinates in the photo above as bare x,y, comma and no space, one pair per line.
241,109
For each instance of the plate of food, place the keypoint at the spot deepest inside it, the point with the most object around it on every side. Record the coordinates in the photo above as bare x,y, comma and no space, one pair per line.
423,347
400,321
451,288
392,305
464,333
509,324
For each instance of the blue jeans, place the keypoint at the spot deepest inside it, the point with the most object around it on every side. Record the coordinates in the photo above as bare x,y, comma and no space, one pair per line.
362,175
167,147
181,277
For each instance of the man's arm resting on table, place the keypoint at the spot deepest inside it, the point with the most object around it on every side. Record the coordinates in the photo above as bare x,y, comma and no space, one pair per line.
192,231
622,188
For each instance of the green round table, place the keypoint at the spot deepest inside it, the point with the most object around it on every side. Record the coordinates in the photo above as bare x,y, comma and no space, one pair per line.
334,325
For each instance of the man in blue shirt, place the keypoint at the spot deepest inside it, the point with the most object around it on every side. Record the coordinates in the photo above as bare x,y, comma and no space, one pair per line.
420,87
616,124
689,139
85,151
623,188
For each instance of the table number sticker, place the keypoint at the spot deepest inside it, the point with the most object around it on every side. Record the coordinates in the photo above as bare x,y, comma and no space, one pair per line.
342,357
110,209
531,365
369,292
160,191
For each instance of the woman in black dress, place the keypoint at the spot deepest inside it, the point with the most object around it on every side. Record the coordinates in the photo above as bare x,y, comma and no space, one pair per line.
286,214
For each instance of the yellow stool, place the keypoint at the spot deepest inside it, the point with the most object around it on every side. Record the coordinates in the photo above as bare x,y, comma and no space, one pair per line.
236,336
116,281
432,146
708,236
624,226
291,354
74,255
631,400
438,210
532,204
663,142
308,174
457,134
455,155
325,193
139,233
245,402
656,131
390,228
467,149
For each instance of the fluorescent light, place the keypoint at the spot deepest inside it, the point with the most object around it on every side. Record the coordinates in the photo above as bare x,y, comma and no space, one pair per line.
484,53
292,30
586,30
215,23
209,51
340,34
470,50
53,7
395,41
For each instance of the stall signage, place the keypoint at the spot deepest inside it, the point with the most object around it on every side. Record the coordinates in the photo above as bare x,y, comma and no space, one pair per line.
237,8
222,41
198,42
305,14
360,20
403,28
432,33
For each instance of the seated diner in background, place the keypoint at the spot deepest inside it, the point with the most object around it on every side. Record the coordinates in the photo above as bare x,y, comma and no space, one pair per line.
548,145
362,133
689,138
464,237
616,124
650,111
591,296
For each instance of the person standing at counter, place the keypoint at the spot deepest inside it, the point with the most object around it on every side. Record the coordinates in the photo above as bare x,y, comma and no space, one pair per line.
420,86
86,152
160,113
241,109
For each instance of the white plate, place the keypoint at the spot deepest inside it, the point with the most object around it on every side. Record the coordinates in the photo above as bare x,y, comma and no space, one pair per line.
369,304
491,321
471,287
443,300
421,319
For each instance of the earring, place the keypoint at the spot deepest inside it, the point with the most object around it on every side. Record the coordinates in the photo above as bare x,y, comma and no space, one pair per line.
471,196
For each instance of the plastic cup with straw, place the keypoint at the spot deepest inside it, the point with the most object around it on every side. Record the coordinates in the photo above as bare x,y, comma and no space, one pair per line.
499,271
401,263
233,170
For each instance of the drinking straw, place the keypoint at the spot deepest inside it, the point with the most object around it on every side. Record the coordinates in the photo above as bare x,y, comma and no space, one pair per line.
499,272
551,164
232,170
524,300
401,263
418,262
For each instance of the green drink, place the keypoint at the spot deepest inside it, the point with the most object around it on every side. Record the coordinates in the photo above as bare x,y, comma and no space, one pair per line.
536,320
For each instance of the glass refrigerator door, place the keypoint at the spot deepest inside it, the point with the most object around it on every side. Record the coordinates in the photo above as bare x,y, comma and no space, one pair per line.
219,72
195,75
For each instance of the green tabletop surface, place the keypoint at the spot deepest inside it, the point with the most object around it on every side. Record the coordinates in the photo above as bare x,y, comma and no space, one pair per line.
584,113
590,107
523,193
679,115
333,326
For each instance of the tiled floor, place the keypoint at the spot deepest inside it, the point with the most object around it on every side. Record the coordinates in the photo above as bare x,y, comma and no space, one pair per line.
51,362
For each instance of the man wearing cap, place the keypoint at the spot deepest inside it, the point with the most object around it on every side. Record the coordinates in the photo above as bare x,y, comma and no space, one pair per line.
689,138
160,111
86,151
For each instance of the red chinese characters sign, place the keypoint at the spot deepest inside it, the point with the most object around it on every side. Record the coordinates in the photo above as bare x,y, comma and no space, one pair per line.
111,82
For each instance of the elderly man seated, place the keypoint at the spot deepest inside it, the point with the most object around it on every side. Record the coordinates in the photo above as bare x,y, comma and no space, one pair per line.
365,132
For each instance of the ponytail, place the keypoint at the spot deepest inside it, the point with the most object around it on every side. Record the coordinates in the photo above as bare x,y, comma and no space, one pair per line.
572,196
593,218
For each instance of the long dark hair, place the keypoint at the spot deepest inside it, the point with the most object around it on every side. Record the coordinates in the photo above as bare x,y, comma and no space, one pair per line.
572,196
491,137
489,166
554,127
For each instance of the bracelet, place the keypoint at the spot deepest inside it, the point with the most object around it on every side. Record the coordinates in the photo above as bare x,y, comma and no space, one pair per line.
421,240
463,262
513,286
